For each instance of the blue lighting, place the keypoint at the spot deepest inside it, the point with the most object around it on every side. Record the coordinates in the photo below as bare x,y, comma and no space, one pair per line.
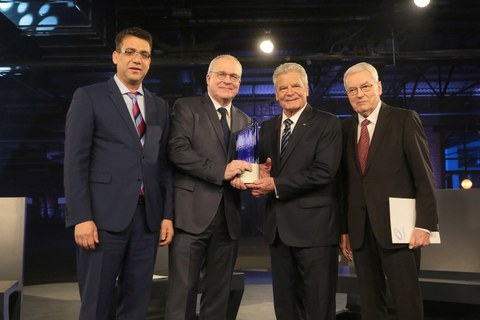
44,10
22,7
26,20
5,6
48,21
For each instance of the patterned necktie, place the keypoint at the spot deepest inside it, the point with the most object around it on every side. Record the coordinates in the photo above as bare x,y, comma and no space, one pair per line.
139,123
137,116
225,128
285,136
363,144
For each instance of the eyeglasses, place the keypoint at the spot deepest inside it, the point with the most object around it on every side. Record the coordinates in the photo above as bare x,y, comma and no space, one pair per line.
353,91
223,75
132,52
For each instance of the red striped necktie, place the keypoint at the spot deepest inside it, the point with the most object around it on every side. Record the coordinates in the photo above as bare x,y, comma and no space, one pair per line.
139,124
137,116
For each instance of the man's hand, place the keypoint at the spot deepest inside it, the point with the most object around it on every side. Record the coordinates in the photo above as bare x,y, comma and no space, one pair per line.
262,187
345,247
265,168
238,183
86,235
236,167
166,232
419,238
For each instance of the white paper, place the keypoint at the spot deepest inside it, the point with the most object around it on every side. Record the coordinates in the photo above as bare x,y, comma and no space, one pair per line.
402,220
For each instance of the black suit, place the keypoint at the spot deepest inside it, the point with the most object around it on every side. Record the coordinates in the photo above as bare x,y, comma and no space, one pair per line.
105,166
302,220
207,219
397,165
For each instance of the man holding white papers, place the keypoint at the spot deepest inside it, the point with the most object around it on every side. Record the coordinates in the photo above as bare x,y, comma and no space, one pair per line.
385,154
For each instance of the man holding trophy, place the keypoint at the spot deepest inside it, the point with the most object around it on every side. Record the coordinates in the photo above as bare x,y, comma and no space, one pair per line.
300,152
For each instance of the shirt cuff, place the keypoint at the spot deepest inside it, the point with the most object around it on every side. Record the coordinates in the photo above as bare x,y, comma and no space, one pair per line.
426,230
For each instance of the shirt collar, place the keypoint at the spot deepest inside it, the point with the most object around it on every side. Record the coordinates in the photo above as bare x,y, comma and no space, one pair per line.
123,88
373,117
218,105
295,117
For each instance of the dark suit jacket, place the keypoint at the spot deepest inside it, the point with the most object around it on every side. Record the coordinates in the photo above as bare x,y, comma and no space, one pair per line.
105,163
305,213
199,154
398,165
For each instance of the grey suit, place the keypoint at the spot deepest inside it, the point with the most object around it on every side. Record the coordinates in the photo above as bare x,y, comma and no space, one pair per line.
398,165
207,209
105,166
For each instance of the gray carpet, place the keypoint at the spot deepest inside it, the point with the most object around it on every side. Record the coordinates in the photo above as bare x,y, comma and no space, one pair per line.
60,301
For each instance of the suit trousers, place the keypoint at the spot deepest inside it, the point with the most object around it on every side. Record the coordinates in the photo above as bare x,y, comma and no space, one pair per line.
124,258
375,266
209,257
304,281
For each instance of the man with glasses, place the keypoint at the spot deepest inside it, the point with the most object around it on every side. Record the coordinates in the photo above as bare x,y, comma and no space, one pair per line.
207,209
118,183
385,154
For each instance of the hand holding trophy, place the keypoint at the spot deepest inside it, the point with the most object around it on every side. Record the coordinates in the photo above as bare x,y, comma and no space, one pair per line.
247,150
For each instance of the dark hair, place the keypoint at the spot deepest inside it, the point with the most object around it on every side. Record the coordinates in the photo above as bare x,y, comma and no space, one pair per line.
135,32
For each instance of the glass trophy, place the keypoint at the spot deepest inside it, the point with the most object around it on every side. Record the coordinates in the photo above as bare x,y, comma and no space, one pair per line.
247,150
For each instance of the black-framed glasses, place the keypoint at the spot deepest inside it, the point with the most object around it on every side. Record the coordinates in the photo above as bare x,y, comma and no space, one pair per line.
132,52
353,91
223,75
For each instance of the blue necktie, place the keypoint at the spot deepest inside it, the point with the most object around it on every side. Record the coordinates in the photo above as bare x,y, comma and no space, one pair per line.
285,136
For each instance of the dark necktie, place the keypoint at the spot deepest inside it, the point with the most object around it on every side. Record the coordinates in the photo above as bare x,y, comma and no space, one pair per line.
137,116
225,128
363,144
285,136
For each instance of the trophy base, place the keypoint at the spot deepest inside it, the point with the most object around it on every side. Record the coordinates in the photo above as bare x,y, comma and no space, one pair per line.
251,176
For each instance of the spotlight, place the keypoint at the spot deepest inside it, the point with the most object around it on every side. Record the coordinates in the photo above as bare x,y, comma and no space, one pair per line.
26,20
266,46
467,184
5,6
421,3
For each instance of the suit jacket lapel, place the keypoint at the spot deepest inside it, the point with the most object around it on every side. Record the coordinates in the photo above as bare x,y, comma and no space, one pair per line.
352,141
209,108
380,129
301,127
121,107
154,130
275,140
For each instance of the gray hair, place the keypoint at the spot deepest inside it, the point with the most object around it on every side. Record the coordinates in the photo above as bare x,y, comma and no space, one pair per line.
362,66
210,67
290,67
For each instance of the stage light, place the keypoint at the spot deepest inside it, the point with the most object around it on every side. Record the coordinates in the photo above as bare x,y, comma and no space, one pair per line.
44,10
5,6
26,20
22,7
267,46
467,184
49,23
421,3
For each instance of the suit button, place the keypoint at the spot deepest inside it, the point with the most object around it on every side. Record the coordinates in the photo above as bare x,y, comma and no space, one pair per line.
139,180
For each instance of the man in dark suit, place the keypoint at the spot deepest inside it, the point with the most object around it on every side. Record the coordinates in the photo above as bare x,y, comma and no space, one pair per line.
207,208
118,184
385,154
301,218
